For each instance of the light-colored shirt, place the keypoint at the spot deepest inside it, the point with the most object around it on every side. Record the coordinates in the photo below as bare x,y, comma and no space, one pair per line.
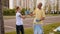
39,13
19,20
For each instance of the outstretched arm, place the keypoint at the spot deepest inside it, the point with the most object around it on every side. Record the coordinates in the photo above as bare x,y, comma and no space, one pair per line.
22,16
31,14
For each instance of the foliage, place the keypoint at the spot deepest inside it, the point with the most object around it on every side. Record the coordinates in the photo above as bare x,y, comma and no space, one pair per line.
8,12
23,11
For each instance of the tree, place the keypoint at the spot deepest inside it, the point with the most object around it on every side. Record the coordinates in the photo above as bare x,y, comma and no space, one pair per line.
1,19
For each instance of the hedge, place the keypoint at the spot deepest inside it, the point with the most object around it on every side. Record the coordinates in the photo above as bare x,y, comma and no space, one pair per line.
11,12
8,12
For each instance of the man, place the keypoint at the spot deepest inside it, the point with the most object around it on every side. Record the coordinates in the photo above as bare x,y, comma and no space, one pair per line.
19,21
39,17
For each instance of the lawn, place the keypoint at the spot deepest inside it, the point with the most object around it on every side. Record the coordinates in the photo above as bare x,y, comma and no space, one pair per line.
27,16
47,29
52,14
27,31
9,17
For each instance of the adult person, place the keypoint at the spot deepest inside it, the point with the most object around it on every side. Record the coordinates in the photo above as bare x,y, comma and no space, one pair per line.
39,17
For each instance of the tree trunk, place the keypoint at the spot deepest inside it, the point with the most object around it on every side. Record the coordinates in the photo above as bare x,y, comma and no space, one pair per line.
1,19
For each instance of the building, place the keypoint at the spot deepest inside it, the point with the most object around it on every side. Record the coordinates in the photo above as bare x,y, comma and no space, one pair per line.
6,3
14,4
11,4
59,5
21,3
55,4
31,4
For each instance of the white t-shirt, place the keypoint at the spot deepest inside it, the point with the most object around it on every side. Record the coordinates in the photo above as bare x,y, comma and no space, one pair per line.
19,20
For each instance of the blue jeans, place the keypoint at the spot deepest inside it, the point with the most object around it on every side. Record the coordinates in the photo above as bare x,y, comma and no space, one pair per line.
38,29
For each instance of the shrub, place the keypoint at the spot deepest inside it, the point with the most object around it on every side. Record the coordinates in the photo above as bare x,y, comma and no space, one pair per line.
23,11
9,12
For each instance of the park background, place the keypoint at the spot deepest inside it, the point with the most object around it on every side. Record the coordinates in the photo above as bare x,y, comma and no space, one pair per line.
51,7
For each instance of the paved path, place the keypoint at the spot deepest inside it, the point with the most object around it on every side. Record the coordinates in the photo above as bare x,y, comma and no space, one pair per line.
28,22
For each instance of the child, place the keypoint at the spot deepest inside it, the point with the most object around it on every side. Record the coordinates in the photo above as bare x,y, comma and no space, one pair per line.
19,21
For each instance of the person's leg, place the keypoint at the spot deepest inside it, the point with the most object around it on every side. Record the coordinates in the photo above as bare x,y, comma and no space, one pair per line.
22,29
35,29
40,29
17,29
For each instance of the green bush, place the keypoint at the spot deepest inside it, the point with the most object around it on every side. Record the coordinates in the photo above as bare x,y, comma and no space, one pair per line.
23,11
9,12
12,11
5,12
58,32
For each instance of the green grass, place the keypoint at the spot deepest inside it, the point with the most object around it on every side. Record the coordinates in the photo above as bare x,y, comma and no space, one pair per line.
52,14
27,31
47,29
9,17
50,28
